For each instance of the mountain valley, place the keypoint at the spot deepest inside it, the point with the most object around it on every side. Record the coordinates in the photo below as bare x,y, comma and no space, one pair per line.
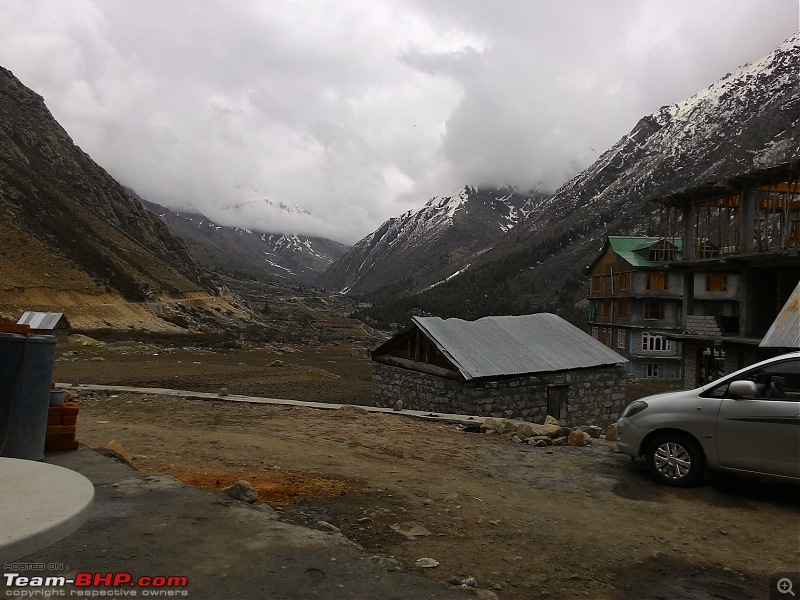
92,250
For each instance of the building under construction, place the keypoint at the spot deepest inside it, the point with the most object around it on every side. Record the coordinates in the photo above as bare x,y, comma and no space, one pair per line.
741,234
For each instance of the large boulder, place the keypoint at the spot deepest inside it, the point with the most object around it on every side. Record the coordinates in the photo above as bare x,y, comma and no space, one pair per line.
578,438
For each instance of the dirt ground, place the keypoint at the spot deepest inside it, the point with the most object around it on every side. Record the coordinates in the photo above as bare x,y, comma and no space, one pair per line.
524,522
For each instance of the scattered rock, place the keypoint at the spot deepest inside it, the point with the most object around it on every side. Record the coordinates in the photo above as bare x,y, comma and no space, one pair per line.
537,443
223,392
611,433
398,405
549,433
276,363
427,563
577,437
550,430
540,441
490,424
243,491
524,430
410,530
116,450
328,526
506,426
593,430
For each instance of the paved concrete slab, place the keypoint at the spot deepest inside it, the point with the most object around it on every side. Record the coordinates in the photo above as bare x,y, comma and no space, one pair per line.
149,526
40,504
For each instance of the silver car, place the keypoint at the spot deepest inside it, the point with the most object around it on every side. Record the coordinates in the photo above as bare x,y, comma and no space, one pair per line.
747,422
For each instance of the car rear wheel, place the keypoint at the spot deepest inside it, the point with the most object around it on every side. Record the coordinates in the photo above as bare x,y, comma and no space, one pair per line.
675,459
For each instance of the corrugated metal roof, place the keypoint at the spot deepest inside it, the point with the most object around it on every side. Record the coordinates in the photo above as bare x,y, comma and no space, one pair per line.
515,345
40,320
785,330
628,248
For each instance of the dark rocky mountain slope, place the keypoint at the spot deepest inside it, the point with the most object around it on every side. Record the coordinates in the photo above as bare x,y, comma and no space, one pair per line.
73,240
749,119
285,258
59,206
423,248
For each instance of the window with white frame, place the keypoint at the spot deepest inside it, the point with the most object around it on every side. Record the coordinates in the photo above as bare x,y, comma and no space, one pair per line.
621,337
655,343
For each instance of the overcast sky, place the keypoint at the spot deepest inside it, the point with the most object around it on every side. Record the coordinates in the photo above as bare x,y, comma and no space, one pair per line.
358,110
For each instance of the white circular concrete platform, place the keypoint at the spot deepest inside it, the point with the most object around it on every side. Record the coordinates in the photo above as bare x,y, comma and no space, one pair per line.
39,505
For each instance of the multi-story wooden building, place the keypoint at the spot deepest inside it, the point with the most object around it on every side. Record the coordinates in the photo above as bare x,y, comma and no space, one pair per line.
636,301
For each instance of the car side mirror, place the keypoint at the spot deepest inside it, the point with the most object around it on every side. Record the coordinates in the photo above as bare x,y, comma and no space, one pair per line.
742,389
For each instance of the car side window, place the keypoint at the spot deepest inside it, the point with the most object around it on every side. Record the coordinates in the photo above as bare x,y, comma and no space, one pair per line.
779,381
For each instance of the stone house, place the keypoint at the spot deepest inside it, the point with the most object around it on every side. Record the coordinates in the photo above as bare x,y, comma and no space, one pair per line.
635,301
522,367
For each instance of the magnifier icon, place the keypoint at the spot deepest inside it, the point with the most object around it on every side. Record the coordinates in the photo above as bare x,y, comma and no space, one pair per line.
785,586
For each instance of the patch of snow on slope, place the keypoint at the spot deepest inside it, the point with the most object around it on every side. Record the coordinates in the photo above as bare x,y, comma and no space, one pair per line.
449,277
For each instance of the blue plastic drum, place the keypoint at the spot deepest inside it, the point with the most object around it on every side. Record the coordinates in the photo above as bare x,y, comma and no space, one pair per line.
26,371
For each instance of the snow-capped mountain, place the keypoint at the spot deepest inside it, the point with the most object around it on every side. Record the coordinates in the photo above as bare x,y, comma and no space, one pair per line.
289,258
749,119
431,244
250,200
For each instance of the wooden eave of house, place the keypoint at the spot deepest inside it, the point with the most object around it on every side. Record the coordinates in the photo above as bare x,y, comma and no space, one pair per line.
412,349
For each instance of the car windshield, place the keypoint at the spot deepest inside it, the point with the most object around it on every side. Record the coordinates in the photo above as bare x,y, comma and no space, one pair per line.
776,380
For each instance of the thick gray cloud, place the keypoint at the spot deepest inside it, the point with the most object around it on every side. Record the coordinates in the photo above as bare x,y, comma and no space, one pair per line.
358,110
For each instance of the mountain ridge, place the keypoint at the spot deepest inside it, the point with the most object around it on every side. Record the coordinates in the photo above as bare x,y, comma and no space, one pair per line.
47,182
74,240
749,119
425,246
290,258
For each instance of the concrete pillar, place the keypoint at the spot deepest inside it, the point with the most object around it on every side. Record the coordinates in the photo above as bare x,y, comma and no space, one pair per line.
688,296
747,221
746,298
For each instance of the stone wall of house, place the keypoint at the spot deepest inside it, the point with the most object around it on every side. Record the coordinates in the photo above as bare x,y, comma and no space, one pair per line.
690,366
703,325
595,396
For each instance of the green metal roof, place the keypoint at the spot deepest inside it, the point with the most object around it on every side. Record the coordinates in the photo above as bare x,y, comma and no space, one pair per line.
629,248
